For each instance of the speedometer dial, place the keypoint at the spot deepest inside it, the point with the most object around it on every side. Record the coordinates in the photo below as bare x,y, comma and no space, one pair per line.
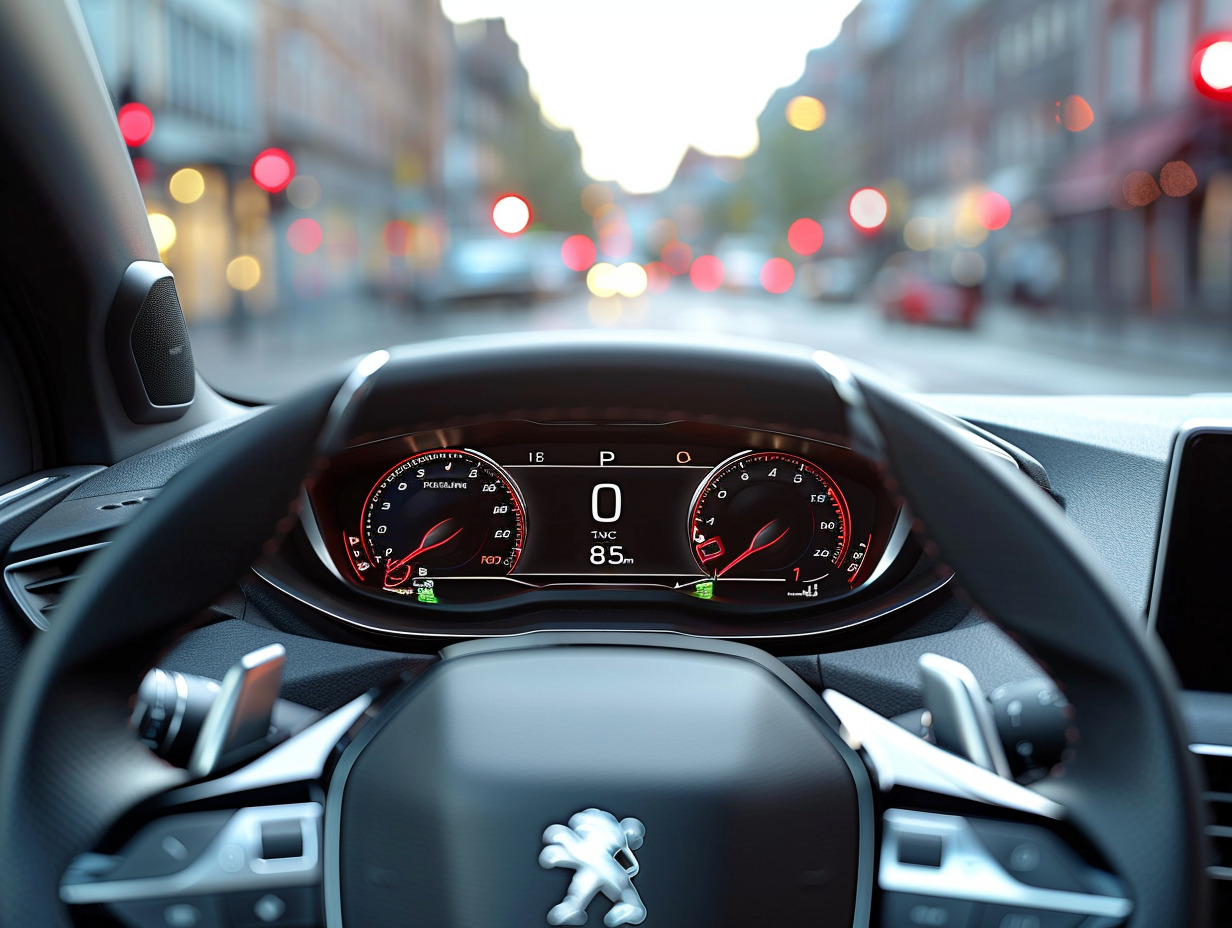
448,513
770,516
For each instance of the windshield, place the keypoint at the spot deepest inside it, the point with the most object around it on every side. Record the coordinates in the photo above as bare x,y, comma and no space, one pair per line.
979,196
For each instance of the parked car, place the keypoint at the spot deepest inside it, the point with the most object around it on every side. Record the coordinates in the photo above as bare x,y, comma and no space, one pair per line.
479,268
915,289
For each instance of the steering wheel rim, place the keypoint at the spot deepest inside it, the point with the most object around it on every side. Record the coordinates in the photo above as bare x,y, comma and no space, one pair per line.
69,769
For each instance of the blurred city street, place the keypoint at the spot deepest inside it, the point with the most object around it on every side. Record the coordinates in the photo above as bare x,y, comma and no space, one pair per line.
1004,354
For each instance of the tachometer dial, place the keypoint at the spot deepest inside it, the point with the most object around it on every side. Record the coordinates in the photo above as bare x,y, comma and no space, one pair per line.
443,514
766,515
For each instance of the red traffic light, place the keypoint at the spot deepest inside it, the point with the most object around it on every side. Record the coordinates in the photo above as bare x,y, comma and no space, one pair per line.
272,170
1211,67
511,214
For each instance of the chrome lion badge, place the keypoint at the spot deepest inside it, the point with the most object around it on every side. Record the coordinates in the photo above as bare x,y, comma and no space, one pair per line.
599,849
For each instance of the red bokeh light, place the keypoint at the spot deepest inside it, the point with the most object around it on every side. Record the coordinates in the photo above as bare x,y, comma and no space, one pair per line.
1075,113
272,170
777,275
397,236
677,258
578,252
805,236
136,123
992,211
1211,66
658,277
304,235
707,273
144,169
511,214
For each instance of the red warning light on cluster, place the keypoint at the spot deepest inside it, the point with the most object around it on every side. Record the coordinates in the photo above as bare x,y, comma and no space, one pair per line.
272,170
136,123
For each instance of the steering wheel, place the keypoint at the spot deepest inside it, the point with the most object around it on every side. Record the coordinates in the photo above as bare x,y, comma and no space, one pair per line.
656,778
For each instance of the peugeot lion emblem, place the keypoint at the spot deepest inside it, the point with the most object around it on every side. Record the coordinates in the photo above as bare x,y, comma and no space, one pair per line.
599,849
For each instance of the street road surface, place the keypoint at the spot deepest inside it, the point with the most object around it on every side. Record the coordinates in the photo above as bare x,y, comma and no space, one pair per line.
1007,353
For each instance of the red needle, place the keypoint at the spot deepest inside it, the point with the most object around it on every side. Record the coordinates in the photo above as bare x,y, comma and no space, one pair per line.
423,546
755,546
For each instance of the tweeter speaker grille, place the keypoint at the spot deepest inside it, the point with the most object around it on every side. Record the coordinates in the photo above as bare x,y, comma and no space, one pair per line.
161,347
147,343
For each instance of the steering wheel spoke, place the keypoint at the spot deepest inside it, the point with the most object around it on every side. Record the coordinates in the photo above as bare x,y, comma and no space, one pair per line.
963,847
245,848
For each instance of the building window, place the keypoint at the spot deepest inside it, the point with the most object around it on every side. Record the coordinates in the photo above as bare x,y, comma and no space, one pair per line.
1170,51
1124,67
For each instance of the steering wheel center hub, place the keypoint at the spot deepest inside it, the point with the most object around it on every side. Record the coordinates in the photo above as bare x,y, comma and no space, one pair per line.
537,786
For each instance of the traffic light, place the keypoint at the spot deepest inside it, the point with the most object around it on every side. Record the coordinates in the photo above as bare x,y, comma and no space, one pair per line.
1211,68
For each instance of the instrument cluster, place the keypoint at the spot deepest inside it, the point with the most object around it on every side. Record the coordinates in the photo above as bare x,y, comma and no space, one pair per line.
687,511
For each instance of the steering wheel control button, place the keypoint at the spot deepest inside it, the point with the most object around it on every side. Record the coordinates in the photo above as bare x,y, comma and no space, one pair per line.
1001,916
169,845
921,850
907,910
294,907
1035,856
282,839
188,912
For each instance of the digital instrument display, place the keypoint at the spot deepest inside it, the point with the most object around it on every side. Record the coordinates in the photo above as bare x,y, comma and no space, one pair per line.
1190,602
695,510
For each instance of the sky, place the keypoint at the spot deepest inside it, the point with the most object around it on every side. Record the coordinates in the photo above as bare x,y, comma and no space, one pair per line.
640,81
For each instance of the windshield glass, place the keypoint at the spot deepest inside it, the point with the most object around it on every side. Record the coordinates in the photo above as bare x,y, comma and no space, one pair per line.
985,196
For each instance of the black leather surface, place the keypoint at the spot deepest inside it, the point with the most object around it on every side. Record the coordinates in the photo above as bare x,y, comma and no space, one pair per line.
67,764
1132,786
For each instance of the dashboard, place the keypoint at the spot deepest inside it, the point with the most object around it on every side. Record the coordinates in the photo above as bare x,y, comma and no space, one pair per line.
744,523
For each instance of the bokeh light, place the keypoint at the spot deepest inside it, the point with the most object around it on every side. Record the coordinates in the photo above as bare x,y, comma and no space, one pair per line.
805,236
631,279
968,268
143,168
777,275
578,252
706,273
992,210
1213,68
805,113
304,235
868,209
186,185
1140,188
1178,179
1075,113
304,192
658,277
920,233
601,279
244,272
511,214
604,312
595,196
677,258
272,170
136,123
163,230
397,237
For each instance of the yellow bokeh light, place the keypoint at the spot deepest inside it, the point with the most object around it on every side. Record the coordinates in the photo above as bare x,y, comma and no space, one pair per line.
163,230
631,279
244,272
806,113
186,185
920,234
601,280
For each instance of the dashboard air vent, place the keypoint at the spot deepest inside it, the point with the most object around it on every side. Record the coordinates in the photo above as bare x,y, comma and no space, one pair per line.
1217,763
38,584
